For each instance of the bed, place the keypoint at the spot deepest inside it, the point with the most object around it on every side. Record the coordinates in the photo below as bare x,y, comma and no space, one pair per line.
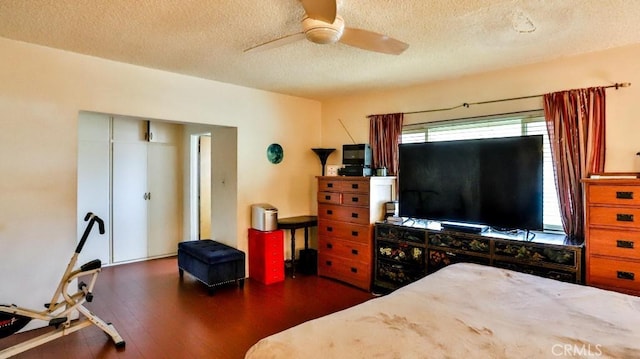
471,311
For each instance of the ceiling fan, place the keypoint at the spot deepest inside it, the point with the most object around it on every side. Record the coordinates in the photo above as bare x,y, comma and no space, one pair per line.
322,25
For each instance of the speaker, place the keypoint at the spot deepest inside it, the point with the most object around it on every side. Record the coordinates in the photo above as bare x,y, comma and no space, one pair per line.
391,209
308,262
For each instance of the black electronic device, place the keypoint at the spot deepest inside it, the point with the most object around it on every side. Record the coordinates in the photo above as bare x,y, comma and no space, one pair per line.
495,182
463,227
356,155
355,171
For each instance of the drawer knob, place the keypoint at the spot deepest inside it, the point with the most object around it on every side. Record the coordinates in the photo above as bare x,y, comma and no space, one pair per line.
329,263
354,186
624,244
329,245
354,251
327,197
624,195
624,217
354,199
354,270
626,275
330,185
329,211
329,229
354,233
354,215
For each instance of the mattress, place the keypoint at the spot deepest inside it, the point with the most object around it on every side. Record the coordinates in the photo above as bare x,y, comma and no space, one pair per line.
471,311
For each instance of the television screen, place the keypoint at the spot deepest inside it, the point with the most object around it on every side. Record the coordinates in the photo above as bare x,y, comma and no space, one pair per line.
495,182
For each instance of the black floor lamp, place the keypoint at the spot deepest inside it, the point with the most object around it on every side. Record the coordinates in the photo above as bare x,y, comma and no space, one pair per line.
323,154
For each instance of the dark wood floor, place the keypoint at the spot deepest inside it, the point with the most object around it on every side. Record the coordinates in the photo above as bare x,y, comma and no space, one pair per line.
160,316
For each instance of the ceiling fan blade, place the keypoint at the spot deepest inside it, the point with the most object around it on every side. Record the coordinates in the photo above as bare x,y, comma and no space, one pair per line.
369,40
323,10
276,43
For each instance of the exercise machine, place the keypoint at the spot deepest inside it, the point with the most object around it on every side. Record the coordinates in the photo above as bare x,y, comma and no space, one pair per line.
63,305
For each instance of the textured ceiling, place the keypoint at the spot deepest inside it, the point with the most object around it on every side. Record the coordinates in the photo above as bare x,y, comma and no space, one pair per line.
206,38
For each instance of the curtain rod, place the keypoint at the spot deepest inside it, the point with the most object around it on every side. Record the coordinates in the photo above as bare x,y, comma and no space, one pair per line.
468,104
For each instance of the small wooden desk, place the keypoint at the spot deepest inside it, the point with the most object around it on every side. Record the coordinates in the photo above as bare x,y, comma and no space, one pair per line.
294,223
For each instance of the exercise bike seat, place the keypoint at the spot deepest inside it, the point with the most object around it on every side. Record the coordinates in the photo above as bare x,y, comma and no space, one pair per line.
94,264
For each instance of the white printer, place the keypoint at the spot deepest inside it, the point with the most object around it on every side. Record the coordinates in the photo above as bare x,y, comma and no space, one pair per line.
264,217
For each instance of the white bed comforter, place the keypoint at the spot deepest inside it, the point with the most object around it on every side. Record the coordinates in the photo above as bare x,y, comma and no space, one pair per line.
471,311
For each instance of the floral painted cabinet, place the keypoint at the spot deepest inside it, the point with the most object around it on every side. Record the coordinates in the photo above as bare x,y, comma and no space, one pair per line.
404,254
400,256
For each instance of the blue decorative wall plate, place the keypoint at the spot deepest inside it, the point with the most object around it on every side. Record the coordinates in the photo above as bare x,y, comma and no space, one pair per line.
275,153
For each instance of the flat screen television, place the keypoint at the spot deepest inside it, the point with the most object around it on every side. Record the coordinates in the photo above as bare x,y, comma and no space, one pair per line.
495,182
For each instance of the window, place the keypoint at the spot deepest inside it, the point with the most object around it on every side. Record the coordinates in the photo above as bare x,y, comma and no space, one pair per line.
521,124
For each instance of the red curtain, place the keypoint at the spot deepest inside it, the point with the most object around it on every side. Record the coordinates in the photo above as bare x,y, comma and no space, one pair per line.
576,125
384,136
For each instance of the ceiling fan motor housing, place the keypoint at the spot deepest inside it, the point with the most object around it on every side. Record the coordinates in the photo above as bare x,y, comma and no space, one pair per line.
322,32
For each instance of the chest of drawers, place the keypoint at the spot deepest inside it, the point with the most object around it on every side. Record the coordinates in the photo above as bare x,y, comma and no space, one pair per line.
266,255
612,234
347,209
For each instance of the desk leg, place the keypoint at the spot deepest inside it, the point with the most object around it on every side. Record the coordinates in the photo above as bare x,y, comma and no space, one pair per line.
306,238
293,252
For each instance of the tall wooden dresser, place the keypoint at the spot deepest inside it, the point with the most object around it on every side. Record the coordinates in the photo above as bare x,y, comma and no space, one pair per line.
347,209
613,233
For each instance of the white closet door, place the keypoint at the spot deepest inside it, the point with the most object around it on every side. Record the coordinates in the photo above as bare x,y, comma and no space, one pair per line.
129,202
165,204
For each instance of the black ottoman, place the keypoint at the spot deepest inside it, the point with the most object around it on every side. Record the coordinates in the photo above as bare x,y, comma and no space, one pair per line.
211,262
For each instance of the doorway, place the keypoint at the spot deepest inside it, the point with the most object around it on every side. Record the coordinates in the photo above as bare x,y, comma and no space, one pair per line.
204,186
212,194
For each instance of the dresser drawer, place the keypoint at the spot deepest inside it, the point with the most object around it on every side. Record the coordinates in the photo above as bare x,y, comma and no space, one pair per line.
400,252
273,272
340,184
353,251
356,186
267,236
616,195
355,199
351,199
352,272
329,185
614,273
535,253
329,197
460,241
397,274
396,233
274,255
617,243
358,215
349,231
611,216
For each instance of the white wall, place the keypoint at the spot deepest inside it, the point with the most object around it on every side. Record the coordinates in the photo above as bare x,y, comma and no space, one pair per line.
42,92
595,69
224,186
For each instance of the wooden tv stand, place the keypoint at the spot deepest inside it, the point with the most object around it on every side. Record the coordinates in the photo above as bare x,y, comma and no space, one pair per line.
407,252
